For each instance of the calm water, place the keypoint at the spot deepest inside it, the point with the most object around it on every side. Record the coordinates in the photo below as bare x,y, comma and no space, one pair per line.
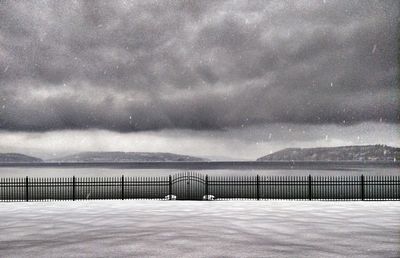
69,171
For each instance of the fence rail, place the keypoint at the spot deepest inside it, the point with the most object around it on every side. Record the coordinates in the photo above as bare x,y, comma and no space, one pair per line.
193,186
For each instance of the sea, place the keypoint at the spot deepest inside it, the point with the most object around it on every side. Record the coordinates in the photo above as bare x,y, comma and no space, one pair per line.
153,169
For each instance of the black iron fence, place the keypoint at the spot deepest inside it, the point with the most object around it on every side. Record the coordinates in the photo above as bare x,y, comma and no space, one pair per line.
193,186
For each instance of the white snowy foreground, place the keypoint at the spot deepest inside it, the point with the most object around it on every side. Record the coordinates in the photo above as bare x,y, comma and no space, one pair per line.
200,229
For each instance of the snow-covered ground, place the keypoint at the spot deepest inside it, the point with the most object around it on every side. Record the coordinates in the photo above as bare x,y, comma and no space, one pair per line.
200,229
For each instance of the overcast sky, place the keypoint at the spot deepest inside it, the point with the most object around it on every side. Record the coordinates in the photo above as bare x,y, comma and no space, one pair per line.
226,78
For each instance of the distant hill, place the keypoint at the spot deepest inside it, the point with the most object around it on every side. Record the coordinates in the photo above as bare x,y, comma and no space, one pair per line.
17,158
343,153
126,157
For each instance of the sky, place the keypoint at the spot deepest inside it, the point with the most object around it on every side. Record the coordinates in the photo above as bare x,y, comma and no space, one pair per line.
236,79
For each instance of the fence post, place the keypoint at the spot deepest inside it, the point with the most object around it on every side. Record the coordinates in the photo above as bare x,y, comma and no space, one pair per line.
73,188
207,186
26,189
309,187
170,187
258,187
122,188
362,187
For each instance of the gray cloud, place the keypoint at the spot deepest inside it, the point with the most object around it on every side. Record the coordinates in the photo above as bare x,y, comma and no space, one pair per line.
203,65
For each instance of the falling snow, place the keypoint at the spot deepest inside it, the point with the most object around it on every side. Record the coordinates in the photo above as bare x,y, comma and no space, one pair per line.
374,49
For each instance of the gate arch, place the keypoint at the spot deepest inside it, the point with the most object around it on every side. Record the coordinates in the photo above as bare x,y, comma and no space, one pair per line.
189,186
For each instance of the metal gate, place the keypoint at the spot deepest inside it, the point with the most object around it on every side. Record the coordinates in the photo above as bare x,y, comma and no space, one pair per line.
189,186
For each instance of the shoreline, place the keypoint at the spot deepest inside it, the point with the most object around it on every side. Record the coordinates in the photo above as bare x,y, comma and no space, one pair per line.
200,165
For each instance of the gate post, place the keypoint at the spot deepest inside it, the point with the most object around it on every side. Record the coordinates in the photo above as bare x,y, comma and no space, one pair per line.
122,187
362,187
73,188
170,187
309,188
207,186
258,187
26,189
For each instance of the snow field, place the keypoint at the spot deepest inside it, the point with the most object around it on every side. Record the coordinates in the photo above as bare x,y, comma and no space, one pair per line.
200,229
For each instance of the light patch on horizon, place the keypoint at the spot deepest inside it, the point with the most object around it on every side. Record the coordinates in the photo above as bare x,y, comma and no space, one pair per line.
240,144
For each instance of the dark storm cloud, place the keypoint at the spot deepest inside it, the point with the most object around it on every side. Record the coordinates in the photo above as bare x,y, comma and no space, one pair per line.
146,65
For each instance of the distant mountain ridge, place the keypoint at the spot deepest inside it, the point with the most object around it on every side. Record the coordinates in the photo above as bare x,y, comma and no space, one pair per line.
342,153
126,157
17,158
